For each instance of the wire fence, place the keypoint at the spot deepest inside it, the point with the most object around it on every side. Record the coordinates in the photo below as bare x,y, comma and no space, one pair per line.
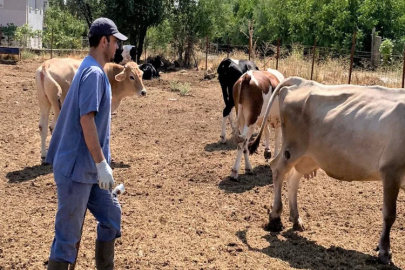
323,64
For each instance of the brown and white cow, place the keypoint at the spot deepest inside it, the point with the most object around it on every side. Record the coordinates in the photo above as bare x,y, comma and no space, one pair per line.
353,133
251,93
53,79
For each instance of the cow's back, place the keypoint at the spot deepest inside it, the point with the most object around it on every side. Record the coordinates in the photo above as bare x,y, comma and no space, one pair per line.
334,124
63,70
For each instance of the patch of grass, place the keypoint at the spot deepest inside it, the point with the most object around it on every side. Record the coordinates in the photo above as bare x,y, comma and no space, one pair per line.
26,54
182,88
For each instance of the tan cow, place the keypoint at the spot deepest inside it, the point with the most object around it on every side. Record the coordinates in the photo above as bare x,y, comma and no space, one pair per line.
53,79
353,133
251,94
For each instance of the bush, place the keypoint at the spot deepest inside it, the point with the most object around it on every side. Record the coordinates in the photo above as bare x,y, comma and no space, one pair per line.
386,48
182,88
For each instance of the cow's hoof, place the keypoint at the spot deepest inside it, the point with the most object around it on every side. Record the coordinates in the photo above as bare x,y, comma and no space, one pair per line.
384,257
249,171
274,225
43,161
234,175
267,154
223,139
299,226
240,139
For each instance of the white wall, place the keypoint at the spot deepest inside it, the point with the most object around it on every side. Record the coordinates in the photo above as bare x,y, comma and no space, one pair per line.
17,12
14,11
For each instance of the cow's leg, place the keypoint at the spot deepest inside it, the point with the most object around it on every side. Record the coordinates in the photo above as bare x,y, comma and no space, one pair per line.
250,130
275,223
223,130
390,189
54,93
44,107
236,165
229,104
293,184
267,152
280,166
277,140
56,111
230,117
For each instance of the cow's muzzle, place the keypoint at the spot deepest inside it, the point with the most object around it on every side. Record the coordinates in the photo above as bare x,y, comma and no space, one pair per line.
143,92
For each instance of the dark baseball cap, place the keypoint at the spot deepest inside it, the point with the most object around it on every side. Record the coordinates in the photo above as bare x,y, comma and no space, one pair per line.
105,27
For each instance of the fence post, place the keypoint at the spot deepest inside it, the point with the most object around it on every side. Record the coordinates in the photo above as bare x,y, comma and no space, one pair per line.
351,56
313,58
228,48
403,71
278,52
52,44
206,55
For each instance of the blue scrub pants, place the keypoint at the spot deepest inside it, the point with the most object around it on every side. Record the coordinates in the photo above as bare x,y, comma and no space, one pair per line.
73,199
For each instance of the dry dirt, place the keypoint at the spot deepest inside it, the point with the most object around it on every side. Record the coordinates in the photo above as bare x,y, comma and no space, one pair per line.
181,211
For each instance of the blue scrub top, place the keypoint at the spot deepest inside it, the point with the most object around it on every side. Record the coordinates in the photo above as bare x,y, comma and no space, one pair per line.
90,92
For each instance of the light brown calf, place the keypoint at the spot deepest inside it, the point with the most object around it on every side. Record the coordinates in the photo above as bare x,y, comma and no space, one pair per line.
53,79
353,133
251,94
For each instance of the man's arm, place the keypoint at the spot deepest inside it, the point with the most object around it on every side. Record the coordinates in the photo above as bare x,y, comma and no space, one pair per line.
91,137
105,177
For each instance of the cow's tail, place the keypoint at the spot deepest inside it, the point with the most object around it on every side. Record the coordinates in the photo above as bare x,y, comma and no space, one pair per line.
45,71
255,144
238,103
39,80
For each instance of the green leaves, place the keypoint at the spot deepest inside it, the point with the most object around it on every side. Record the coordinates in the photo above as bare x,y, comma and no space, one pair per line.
67,30
386,50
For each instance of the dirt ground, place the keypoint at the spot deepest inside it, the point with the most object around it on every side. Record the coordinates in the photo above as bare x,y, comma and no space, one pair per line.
181,211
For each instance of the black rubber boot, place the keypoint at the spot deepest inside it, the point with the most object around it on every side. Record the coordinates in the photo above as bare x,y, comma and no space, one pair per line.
52,265
105,255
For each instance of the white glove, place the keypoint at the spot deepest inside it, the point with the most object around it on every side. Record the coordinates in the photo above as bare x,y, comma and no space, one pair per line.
105,177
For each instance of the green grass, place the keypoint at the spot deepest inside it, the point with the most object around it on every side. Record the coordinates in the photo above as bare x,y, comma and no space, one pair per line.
182,88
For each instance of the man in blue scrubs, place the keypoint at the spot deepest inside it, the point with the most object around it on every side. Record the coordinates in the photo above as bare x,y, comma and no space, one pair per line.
80,153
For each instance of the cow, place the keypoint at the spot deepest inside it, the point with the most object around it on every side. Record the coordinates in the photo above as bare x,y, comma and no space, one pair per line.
229,71
149,71
251,93
53,79
353,133
156,62
125,54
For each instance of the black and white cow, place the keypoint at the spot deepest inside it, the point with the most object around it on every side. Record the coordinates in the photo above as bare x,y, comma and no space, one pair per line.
229,71
125,54
156,62
149,71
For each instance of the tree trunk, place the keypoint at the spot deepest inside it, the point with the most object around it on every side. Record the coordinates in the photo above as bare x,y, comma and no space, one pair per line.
141,40
189,51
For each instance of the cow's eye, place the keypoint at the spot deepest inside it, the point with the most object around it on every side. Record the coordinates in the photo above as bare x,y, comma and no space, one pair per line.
132,77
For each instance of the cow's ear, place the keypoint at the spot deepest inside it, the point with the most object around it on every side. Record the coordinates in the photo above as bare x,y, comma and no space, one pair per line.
120,76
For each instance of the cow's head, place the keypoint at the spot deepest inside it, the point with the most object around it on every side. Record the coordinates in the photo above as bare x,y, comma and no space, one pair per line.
131,79
155,61
118,56
132,53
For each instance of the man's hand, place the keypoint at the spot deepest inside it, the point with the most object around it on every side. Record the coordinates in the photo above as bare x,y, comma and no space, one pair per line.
105,177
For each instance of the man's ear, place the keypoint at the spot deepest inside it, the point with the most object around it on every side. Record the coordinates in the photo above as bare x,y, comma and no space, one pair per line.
104,41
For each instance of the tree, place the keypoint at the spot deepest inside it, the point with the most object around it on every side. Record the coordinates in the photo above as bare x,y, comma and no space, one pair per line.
8,31
134,17
23,34
67,30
